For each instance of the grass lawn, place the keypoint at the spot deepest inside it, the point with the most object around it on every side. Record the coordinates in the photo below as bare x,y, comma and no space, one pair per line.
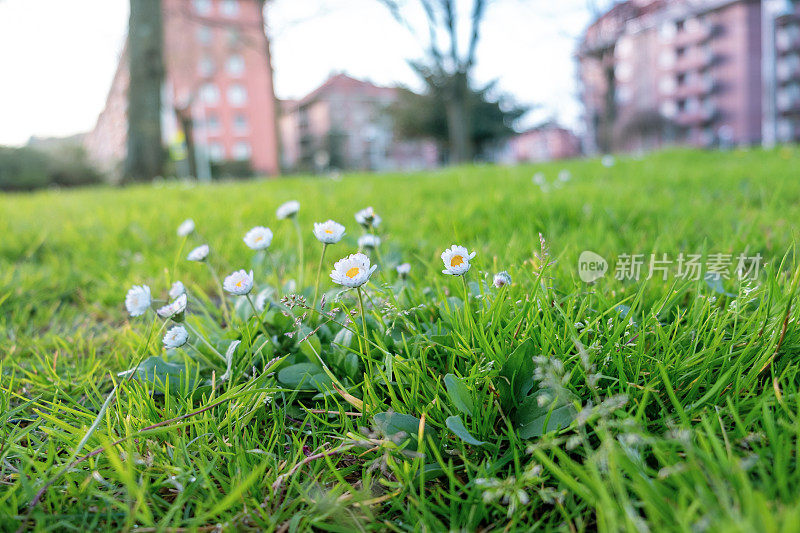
440,402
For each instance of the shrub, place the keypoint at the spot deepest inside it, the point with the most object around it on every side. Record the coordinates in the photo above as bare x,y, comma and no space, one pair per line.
26,168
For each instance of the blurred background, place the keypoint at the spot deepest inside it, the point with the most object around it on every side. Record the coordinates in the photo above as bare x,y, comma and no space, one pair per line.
129,90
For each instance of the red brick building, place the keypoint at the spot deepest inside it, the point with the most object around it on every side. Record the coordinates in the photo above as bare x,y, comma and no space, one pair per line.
548,142
344,124
218,90
697,72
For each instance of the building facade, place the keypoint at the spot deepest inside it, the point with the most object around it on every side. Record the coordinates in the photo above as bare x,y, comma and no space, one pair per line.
696,72
345,124
548,142
218,101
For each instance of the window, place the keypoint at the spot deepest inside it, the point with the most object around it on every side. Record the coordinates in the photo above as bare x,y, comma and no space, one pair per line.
216,152
234,37
230,8
240,123
681,79
206,66
237,95
209,93
235,65
680,52
212,123
202,6
241,151
679,25
204,35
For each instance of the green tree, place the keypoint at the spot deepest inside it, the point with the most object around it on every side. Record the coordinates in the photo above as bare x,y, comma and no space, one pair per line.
449,59
424,116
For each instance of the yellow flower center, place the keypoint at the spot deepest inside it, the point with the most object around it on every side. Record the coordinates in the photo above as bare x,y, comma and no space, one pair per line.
456,260
259,238
329,232
239,283
353,272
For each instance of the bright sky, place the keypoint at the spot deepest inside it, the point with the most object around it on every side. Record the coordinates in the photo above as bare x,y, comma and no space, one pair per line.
57,57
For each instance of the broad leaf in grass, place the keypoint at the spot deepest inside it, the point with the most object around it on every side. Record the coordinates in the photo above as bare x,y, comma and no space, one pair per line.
533,420
455,425
299,375
156,371
403,428
459,394
516,375
714,282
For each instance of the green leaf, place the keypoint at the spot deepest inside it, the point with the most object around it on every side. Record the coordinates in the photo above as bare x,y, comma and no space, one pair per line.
455,425
516,375
311,347
155,371
459,394
299,374
404,427
534,421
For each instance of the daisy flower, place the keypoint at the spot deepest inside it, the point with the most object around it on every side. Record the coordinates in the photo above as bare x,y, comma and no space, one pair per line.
186,228
288,209
239,283
176,337
198,254
369,241
137,301
352,271
258,238
328,232
174,310
456,260
403,270
367,218
176,290
501,279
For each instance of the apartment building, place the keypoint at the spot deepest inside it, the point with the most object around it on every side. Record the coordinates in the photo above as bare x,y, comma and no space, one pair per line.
702,73
345,124
218,98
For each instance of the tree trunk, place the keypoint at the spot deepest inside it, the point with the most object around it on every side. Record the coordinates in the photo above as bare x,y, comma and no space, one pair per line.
145,154
458,126
187,125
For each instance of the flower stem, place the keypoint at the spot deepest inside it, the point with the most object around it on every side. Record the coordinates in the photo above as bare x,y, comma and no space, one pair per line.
363,323
301,262
467,313
225,310
258,316
319,273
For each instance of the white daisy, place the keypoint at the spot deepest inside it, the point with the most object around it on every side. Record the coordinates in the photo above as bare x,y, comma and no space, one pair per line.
403,269
456,260
368,218
501,279
176,337
352,271
186,228
564,176
137,301
328,232
239,283
608,161
198,254
288,209
175,309
369,241
258,238
539,179
176,290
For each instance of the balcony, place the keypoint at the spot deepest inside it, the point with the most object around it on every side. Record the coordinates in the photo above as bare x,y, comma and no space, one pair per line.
695,60
696,117
694,36
694,88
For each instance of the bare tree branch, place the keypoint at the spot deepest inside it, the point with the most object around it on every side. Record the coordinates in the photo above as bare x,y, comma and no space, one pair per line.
477,18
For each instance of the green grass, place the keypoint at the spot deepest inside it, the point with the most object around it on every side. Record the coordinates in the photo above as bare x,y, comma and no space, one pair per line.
681,398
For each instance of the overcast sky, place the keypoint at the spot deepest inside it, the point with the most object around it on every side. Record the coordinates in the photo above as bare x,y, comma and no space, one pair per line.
57,57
